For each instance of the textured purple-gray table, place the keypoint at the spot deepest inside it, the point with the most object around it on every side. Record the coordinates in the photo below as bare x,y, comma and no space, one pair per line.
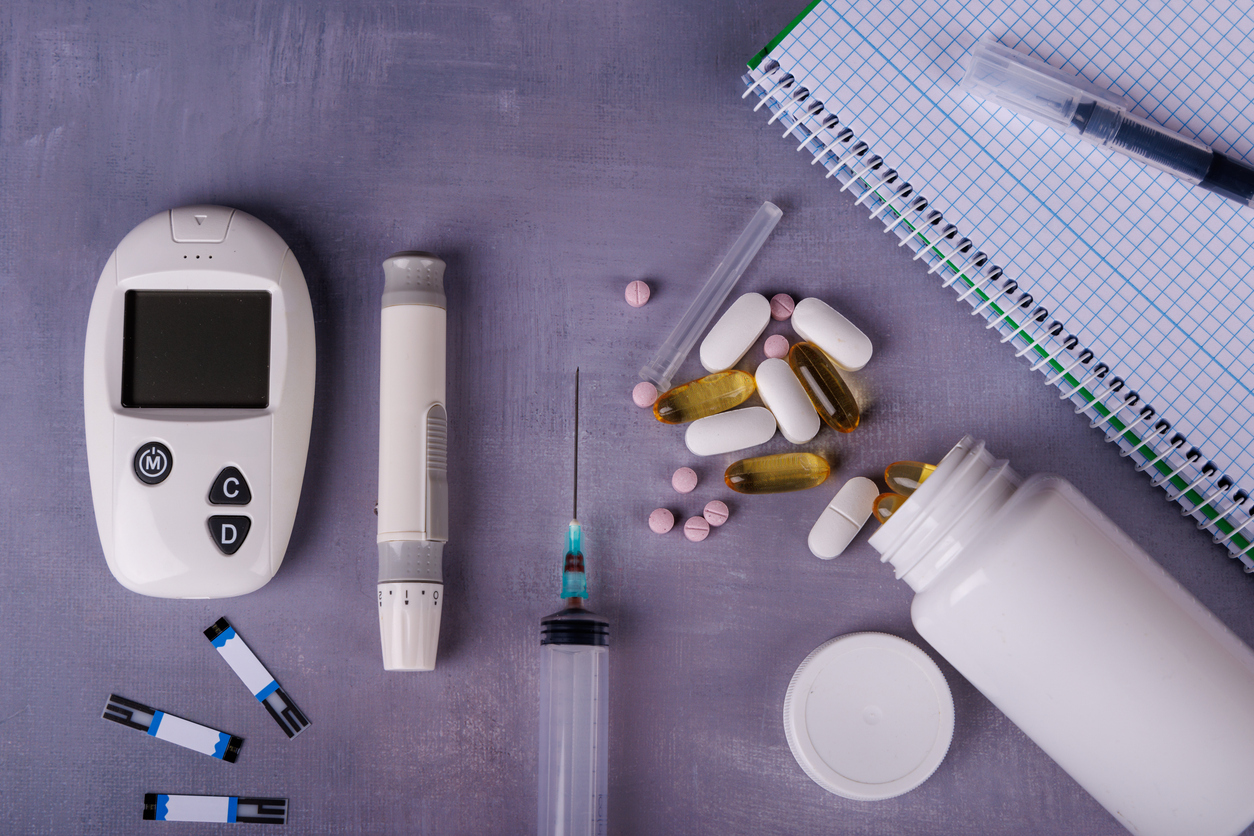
550,154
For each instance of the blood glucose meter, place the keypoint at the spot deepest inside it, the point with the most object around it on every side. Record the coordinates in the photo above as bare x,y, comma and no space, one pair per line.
198,384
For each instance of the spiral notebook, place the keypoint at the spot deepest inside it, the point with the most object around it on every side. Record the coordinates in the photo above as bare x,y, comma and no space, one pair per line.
1127,289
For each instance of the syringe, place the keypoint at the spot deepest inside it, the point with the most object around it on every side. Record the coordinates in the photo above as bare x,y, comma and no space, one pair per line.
574,704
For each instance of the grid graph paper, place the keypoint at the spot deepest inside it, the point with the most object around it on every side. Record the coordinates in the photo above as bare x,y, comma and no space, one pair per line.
1154,276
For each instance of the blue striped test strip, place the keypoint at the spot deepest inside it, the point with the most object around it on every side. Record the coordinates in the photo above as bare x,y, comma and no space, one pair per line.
176,730
256,678
217,809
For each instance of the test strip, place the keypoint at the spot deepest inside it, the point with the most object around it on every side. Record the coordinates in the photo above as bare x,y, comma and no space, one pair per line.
256,678
185,733
219,809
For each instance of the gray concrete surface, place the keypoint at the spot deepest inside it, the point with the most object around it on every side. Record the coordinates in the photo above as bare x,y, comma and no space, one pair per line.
550,153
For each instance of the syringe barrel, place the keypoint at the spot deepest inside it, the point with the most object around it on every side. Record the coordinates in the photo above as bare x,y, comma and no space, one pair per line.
574,739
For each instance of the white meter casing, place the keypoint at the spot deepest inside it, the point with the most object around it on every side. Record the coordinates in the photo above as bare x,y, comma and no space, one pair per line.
198,384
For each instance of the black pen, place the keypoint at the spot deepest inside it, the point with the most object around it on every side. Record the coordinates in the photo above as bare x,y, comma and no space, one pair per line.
1034,89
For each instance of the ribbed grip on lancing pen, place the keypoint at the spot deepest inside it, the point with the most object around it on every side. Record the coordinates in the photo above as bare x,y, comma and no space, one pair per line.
1214,501
437,474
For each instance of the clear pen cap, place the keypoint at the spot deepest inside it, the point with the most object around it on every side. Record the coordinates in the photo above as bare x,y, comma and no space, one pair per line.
661,369
1029,86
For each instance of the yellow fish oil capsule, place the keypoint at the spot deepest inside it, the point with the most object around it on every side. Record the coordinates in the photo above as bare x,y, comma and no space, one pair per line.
886,504
827,390
778,473
905,477
704,396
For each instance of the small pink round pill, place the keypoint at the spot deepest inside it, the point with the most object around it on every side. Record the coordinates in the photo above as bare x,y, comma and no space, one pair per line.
661,521
781,306
696,529
715,512
638,293
684,480
644,394
776,346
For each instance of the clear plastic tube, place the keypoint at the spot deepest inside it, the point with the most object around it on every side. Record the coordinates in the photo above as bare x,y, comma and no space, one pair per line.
574,739
661,369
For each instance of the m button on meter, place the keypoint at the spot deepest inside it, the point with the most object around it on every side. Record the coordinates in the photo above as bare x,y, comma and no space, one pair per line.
230,488
229,532
153,462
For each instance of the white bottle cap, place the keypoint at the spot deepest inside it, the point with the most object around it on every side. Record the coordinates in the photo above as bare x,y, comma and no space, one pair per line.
409,624
868,716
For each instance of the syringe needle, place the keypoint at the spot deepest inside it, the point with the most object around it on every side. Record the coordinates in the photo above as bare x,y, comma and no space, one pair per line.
574,514
574,578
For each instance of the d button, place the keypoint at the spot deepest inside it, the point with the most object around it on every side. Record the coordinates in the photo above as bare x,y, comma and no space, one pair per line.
228,533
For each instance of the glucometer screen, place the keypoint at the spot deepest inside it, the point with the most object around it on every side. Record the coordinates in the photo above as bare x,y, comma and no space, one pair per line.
196,348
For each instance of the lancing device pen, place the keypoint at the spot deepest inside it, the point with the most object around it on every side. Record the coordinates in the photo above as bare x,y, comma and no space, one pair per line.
1076,107
413,460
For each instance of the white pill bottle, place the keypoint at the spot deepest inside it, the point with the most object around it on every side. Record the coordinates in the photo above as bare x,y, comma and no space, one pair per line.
1073,631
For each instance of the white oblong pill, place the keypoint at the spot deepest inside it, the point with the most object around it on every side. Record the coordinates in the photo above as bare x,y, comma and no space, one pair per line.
728,431
735,332
843,518
818,322
783,394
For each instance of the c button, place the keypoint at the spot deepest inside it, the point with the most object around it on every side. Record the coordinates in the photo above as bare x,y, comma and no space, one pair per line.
230,488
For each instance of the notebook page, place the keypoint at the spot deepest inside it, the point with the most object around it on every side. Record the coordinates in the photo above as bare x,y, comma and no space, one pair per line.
1155,276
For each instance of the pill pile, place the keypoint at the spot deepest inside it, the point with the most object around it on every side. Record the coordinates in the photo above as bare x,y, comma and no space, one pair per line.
802,388
684,481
